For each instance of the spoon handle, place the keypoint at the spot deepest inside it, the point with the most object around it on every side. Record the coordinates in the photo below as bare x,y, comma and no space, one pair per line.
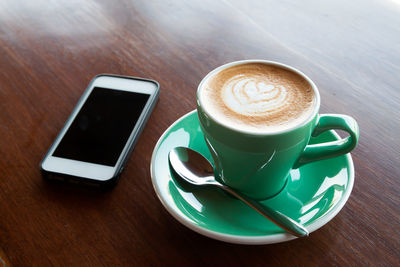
275,216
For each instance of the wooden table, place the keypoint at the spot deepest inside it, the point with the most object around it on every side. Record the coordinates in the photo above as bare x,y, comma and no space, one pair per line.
50,50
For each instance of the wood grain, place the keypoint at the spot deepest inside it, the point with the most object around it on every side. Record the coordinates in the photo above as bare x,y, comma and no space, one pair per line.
50,50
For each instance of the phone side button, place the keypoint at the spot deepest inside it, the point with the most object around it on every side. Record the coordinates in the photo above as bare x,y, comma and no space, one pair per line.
120,170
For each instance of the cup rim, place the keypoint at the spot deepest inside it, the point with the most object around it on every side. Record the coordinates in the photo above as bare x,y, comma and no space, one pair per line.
267,62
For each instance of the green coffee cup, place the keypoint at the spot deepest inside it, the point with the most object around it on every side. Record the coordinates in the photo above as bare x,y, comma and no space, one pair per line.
258,163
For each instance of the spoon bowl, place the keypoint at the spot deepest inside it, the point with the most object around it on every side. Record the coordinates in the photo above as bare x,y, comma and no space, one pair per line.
191,166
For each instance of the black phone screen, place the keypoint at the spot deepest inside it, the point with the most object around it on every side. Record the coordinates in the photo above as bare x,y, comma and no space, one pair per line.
102,126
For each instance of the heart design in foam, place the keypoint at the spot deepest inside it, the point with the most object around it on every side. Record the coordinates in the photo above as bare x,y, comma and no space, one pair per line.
253,96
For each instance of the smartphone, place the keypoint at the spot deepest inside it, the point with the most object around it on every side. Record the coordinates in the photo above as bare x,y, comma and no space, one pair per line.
98,137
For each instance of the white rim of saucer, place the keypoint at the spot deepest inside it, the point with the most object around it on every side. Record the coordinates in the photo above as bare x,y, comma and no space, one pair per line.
239,239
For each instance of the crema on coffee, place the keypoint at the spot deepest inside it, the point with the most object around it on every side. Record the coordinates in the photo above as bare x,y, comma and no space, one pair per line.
257,97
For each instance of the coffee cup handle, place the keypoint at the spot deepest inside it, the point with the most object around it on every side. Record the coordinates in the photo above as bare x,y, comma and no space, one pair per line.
327,150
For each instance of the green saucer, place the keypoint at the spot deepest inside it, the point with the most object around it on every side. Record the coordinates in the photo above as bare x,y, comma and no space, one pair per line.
313,195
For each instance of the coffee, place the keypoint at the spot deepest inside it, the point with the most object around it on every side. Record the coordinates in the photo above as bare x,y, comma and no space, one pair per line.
257,117
257,97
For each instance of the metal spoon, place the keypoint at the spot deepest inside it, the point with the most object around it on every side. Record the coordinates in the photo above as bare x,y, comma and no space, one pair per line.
197,170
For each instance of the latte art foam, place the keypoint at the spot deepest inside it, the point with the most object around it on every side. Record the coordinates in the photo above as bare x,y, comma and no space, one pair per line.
258,97
251,96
